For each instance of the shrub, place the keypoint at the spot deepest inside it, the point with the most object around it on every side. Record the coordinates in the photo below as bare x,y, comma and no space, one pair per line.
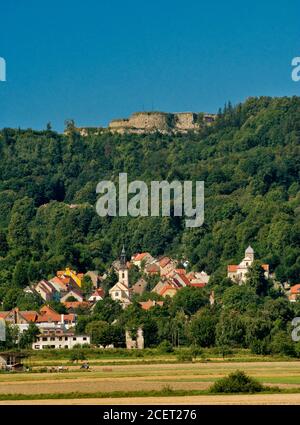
237,382
185,356
77,355
165,347
260,347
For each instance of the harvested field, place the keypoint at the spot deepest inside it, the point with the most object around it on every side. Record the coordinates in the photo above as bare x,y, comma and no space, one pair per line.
144,377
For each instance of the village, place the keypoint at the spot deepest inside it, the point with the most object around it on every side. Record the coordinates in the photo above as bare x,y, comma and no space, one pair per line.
79,292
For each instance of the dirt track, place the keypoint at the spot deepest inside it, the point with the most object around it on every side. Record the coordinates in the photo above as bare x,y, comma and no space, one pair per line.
266,399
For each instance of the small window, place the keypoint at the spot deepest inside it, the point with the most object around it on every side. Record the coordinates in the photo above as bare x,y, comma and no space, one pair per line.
74,338
84,338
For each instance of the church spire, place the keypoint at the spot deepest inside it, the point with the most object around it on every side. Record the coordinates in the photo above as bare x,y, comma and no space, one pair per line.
123,258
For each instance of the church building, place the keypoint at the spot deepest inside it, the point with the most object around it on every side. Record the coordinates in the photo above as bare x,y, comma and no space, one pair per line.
120,291
238,273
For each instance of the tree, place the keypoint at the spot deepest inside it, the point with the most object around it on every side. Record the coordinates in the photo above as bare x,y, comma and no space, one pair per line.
29,336
230,330
108,310
18,234
10,299
256,279
87,286
282,344
20,275
189,299
11,337
100,332
240,298
58,307
3,244
202,327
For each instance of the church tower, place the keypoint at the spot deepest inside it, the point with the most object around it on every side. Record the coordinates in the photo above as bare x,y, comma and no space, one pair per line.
123,271
249,253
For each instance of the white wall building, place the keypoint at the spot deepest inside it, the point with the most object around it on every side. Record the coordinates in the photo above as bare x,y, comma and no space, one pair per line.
58,338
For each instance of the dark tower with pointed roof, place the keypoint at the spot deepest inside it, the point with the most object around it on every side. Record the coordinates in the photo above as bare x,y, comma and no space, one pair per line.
123,271
123,258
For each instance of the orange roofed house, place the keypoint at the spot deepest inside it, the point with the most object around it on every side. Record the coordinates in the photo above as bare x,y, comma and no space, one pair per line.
141,258
238,273
46,317
294,294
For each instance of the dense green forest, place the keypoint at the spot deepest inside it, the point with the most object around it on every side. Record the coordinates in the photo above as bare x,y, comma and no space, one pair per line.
250,162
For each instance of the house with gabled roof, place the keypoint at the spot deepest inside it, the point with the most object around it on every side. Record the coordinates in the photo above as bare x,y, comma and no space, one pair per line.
158,287
169,290
47,316
294,293
139,287
142,258
74,277
74,293
167,266
47,291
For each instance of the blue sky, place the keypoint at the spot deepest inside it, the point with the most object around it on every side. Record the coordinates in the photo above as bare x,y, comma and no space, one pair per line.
98,60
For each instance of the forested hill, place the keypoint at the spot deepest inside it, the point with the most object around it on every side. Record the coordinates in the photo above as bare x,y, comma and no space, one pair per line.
250,162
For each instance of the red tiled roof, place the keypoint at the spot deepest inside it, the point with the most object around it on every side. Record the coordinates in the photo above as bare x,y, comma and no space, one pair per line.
295,289
98,293
164,261
185,279
167,287
180,271
140,256
75,304
153,268
30,316
61,281
198,285
232,268
146,305
47,314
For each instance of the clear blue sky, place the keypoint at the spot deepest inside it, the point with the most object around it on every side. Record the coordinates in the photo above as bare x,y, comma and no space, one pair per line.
98,60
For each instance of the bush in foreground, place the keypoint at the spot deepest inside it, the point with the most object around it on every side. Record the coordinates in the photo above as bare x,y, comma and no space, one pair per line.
237,382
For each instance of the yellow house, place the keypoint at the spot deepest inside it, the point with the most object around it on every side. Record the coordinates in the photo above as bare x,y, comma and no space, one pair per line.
76,277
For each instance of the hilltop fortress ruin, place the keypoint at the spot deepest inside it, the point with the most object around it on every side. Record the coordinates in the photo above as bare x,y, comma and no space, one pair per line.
149,122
